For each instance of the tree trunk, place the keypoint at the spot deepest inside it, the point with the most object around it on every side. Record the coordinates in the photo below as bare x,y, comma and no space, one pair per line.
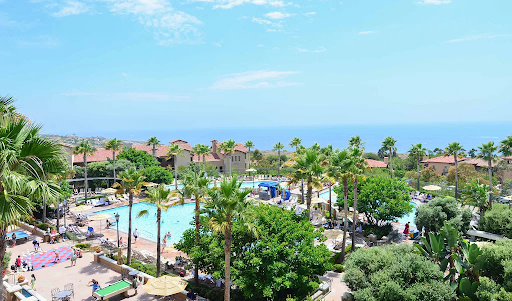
309,196
456,178
3,247
418,169
114,165
279,163
355,216
129,251
196,275
175,173
227,265
391,161
249,158
345,223
154,151
330,201
158,245
490,183
85,177
230,159
302,189
44,208
58,214
204,164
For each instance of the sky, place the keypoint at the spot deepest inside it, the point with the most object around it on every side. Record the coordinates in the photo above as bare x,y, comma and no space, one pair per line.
76,65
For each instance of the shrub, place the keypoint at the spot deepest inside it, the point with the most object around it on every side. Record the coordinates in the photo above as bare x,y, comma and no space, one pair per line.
435,213
45,226
83,246
395,273
378,231
399,173
498,257
7,259
158,174
498,220
71,236
338,268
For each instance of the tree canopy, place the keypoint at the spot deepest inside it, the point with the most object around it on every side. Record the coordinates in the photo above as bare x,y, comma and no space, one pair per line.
140,158
282,261
380,199
435,213
157,174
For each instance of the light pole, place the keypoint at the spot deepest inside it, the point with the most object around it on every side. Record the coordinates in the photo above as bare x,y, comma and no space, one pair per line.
117,225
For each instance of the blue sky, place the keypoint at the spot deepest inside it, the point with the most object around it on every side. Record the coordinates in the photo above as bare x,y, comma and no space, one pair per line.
160,64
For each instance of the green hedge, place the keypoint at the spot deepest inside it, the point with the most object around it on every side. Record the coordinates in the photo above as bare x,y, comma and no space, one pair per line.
83,246
45,226
143,267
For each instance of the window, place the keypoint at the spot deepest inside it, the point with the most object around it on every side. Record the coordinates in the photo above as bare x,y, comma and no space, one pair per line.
445,169
433,167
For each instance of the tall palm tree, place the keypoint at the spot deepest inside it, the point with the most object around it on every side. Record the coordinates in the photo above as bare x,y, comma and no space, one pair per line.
154,142
115,146
342,162
355,141
296,141
195,185
87,150
249,144
159,196
327,153
25,157
228,204
389,144
309,167
196,150
174,151
456,150
201,151
487,151
131,183
228,147
506,146
418,151
278,147
358,165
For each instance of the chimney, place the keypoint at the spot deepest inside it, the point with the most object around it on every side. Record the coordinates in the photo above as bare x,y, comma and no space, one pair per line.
386,160
214,146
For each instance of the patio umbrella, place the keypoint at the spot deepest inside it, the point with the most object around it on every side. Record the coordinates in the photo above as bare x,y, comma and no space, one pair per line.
432,187
109,191
165,285
151,184
252,170
100,217
80,208
333,233
318,201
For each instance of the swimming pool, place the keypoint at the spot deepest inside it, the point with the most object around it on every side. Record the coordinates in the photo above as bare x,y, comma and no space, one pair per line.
409,218
175,220
244,185
325,196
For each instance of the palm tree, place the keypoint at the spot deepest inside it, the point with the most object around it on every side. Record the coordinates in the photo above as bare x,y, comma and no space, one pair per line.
174,151
487,151
249,144
506,146
278,147
476,194
228,204
159,196
228,147
114,145
359,164
195,185
202,150
389,144
418,151
342,161
309,167
131,183
86,149
196,150
154,142
456,150
327,152
355,141
25,157
296,141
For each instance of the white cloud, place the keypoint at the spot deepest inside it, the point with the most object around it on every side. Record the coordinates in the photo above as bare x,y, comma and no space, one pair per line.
124,74
309,14
228,4
277,15
262,21
45,41
136,96
174,28
476,37
321,49
277,3
259,2
260,45
253,79
217,44
366,32
72,8
435,2
147,7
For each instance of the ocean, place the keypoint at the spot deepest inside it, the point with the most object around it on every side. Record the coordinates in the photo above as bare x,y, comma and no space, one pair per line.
470,135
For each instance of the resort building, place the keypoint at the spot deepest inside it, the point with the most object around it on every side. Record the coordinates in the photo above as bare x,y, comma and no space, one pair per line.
377,164
99,155
441,164
183,159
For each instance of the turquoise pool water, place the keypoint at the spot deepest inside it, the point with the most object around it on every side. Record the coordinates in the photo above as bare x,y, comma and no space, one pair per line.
244,185
325,196
175,220
410,217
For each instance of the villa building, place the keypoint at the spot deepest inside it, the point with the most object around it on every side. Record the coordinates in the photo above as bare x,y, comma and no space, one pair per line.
441,164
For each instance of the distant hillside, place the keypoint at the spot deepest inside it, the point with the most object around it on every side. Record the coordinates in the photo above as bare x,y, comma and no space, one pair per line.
94,141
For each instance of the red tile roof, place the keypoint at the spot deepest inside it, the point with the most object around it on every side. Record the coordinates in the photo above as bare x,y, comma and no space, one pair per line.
239,147
161,150
507,158
99,155
208,158
479,162
443,159
374,163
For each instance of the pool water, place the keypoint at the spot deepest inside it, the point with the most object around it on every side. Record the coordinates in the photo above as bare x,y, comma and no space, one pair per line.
409,218
175,220
325,196
244,185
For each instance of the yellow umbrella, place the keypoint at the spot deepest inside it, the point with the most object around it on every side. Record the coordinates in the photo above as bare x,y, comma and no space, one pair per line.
80,208
165,285
100,217
109,191
432,187
150,184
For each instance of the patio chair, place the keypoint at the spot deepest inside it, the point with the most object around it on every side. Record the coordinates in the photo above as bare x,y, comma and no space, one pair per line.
54,291
69,287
